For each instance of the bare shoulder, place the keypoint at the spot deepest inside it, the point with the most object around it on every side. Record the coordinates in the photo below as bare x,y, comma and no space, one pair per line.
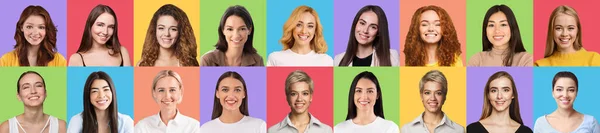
75,60
4,127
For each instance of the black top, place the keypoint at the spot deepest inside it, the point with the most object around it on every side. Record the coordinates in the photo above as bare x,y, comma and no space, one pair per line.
362,61
478,128
83,61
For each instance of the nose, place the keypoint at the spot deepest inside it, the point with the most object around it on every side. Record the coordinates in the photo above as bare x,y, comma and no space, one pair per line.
167,95
304,30
430,28
168,34
33,91
298,98
498,96
563,33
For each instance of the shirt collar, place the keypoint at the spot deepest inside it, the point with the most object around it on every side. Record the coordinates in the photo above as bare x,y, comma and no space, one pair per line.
178,119
287,122
445,121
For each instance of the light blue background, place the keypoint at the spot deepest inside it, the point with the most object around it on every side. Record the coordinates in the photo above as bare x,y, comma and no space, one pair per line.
122,78
586,101
278,11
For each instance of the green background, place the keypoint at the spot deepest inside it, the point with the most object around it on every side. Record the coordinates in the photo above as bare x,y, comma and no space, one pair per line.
388,80
211,12
476,9
56,91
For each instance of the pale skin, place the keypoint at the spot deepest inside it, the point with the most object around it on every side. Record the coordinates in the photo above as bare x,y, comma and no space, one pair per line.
304,33
101,98
565,118
166,36
365,96
431,33
32,94
99,55
236,32
299,101
500,97
498,31
230,94
167,95
34,30
365,32
565,33
433,100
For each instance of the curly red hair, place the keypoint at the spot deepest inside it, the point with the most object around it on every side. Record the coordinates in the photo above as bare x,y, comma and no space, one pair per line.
448,46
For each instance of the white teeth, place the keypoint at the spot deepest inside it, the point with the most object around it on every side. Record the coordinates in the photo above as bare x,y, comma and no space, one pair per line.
102,101
430,34
498,37
236,41
565,39
363,102
303,37
34,98
230,101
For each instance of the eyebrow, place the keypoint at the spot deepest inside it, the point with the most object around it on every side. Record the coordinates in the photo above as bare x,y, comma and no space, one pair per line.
492,21
428,20
370,23
102,87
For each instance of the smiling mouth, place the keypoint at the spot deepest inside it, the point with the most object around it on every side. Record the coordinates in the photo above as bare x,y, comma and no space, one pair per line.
303,37
230,102
364,37
500,102
299,105
564,101
564,40
431,34
499,37
34,98
102,102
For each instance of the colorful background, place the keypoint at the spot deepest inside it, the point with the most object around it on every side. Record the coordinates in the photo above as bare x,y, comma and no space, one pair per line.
56,92
388,81
477,77
344,12
145,9
145,105
586,9
476,9
321,106
122,79
12,11
255,78
455,8
211,12
410,99
279,12
78,12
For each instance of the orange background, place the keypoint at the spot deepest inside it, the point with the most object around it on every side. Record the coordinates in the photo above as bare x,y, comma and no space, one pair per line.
455,8
144,104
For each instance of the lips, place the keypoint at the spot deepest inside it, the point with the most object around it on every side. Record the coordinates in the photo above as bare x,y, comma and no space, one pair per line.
102,102
299,105
500,102
303,37
363,36
564,101
34,98
564,40
498,37
35,38
432,104
167,40
363,103
103,37
431,34
230,102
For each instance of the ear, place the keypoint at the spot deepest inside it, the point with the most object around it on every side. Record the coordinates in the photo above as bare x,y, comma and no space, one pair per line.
217,94
180,98
18,97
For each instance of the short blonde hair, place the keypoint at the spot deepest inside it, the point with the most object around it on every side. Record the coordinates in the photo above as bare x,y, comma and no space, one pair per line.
167,73
550,44
437,77
295,77
317,44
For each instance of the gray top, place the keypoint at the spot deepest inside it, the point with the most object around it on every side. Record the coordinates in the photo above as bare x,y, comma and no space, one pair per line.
589,125
445,126
286,126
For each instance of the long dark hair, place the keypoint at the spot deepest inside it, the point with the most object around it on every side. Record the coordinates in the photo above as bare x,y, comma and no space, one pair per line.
90,122
241,12
47,46
218,108
514,111
86,40
378,109
381,43
515,44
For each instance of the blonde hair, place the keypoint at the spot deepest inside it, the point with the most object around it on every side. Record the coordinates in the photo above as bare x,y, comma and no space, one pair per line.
317,44
168,73
437,77
550,44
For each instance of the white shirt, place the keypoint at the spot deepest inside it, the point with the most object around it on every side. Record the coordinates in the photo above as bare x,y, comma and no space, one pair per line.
179,124
289,58
125,124
246,125
380,125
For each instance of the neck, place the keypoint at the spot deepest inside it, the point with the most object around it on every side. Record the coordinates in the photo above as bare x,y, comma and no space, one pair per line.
102,116
33,114
433,117
231,116
565,113
165,53
97,46
32,51
364,50
299,118
567,50
301,49
234,56
500,117
364,117
167,115
431,49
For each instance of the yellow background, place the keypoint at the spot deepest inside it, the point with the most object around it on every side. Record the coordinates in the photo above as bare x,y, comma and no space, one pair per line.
410,101
144,10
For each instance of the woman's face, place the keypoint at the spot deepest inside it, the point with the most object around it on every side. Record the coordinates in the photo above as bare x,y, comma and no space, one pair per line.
365,95
166,31
500,94
231,93
366,28
103,28
430,27
167,93
236,32
498,30
100,94
305,29
31,90
300,97
565,31
34,29
432,97
564,93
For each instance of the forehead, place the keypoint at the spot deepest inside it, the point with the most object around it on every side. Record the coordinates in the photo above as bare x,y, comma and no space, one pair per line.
167,81
564,19
99,83
502,81
30,78
565,82
432,86
498,16
34,19
369,16
365,83
307,17
300,86
229,81
166,19
234,19
106,18
430,15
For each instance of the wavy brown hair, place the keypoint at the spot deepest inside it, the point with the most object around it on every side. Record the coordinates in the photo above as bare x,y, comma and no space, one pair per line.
86,40
48,45
514,111
185,44
317,44
448,46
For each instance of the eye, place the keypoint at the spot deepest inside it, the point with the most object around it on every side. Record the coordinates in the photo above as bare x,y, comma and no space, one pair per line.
571,90
374,27
424,24
298,25
238,90
100,24
438,24
174,29
361,23
305,93
490,25
111,26
558,89
427,93
106,89
94,90
244,29
293,94
311,26
42,27
438,93
160,90
160,28
224,90
28,27
172,90
370,91
571,28
358,91
503,25
229,29
493,90
506,90
557,28
39,85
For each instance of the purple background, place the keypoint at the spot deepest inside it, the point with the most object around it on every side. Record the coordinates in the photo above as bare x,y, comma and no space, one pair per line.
11,11
477,78
255,78
344,12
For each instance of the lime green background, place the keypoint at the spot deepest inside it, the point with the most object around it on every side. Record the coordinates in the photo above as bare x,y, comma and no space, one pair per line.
56,91
476,9
211,12
388,80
